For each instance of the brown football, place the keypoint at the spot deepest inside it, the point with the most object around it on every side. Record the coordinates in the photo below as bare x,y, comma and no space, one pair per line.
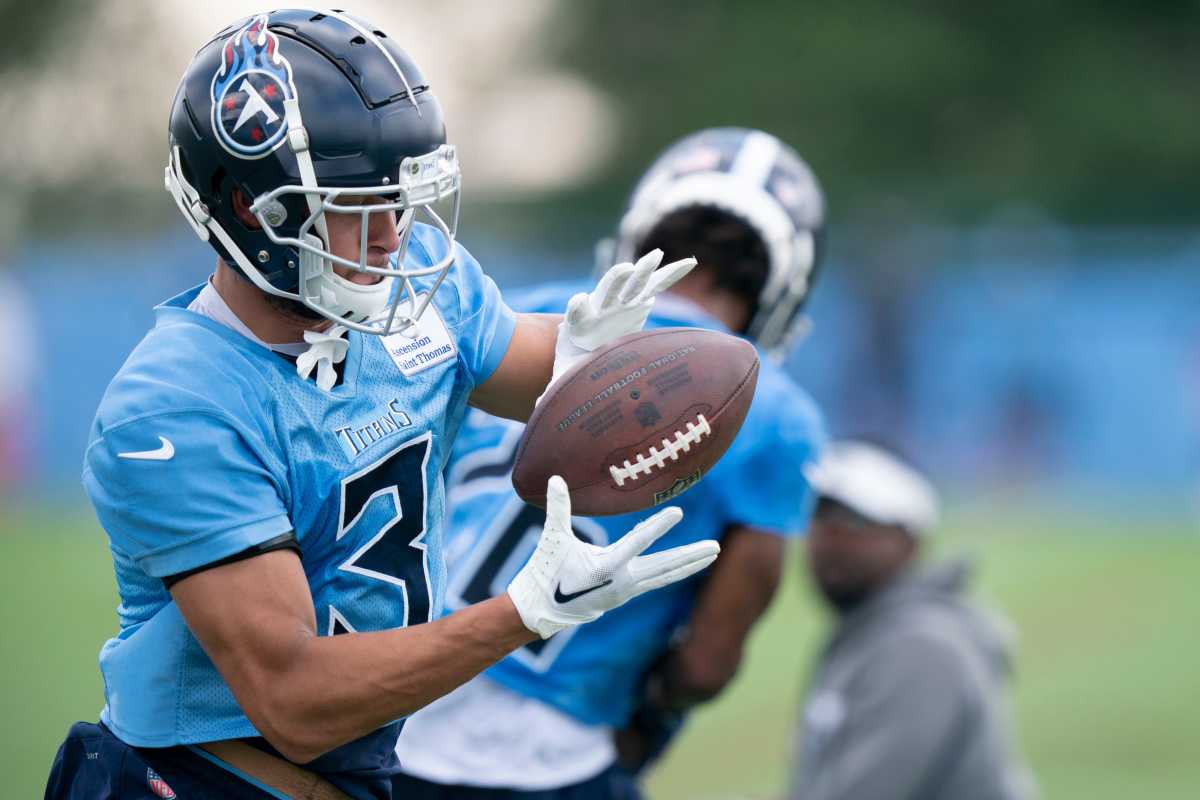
640,421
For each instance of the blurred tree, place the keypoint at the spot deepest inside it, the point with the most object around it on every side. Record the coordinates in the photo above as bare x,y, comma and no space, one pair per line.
33,33
32,29
1084,107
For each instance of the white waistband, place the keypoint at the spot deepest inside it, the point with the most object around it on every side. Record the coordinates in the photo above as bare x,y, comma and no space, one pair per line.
483,734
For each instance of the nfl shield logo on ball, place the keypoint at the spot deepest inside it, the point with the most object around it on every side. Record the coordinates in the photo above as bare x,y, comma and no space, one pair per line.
647,415
677,488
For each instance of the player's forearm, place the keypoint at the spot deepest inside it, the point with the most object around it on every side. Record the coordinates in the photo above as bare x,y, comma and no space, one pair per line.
735,596
693,675
339,688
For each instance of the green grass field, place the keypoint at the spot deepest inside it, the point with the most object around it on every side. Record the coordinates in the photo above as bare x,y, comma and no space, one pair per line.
1108,685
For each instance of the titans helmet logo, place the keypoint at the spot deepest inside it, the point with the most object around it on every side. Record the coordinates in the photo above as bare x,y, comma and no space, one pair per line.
249,90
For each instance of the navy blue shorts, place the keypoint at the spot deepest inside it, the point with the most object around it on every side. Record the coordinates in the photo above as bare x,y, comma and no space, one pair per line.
93,764
612,784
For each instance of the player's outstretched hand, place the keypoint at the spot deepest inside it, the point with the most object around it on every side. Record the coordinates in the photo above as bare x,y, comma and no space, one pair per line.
621,300
617,306
568,581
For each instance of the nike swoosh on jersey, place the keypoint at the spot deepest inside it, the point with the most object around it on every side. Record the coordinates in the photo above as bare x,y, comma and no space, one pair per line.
164,453
559,597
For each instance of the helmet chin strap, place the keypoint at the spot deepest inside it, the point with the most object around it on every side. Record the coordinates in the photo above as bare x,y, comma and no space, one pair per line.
329,347
319,283
340,296
326,349
297,138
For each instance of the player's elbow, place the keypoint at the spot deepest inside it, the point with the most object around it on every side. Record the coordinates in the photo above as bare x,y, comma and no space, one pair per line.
296,750
300,752
295,741
707,684
287,722
701,678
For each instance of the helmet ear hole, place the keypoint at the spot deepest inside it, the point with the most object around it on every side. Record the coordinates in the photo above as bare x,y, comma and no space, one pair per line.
241,208
218,180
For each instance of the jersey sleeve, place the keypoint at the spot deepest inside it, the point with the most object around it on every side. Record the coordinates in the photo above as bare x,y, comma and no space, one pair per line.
180,490
760,481
470,304
486,324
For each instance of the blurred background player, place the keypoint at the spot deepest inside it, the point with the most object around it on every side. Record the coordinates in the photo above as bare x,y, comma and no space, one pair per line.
908,699
555,717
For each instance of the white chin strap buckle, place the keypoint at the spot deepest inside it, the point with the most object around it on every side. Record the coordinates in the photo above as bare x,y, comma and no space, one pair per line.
327,349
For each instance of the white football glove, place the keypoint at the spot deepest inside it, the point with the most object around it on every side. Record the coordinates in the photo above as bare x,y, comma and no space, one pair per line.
568,581
617,306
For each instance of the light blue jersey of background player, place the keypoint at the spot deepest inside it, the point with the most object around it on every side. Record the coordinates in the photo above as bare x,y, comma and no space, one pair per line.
543,720
256,452
592,672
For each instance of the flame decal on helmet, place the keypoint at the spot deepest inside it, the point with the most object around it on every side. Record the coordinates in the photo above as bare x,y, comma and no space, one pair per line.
248,92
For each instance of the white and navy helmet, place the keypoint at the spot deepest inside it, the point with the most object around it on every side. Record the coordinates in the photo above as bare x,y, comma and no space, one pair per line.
756,178
311,113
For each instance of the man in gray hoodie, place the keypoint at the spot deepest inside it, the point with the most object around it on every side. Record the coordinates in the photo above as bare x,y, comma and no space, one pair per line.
907,699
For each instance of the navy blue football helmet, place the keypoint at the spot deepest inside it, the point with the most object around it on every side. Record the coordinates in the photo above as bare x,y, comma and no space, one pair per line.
756,178
310,114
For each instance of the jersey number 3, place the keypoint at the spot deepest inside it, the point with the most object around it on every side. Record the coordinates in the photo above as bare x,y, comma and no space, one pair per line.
396,554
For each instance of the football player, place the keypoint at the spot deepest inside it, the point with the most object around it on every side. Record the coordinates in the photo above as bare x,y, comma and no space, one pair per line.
558,718
267,463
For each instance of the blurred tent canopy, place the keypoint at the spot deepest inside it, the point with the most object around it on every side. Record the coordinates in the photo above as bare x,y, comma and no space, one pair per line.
30,28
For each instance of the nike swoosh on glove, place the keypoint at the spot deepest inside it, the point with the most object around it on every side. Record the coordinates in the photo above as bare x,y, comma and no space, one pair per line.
568,581
617,306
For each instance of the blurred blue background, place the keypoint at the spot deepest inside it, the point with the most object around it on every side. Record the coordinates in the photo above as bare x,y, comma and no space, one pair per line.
1012,199
1067,375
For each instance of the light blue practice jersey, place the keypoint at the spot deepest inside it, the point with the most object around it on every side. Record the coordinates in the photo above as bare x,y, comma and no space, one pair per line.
206,444
592,672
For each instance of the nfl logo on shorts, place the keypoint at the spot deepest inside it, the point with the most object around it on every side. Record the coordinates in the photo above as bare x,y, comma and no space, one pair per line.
158,785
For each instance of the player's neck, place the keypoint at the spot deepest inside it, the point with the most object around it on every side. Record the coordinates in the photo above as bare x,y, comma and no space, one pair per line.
250,304
727,307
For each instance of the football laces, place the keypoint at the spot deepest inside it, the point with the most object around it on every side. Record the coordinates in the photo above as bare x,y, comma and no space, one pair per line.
646,463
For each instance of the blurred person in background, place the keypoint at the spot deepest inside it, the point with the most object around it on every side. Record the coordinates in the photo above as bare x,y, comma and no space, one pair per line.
16,379
907,700
17,420
573,716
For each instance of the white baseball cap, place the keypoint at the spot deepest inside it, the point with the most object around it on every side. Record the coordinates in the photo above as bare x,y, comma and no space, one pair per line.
876,484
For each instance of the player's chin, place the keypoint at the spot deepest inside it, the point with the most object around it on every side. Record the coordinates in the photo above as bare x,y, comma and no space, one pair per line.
841,590
361,278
